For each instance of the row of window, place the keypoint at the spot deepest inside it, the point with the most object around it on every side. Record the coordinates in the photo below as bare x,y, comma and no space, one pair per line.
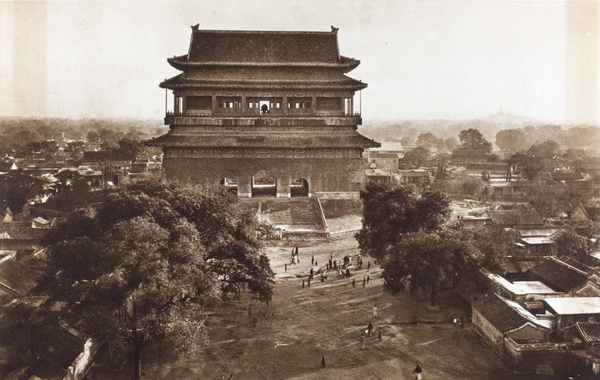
276,105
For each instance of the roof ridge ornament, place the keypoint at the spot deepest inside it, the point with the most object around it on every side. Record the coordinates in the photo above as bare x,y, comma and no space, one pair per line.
195,28
334,29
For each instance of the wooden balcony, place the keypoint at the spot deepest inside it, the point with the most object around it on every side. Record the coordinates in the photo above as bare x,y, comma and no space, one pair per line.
251,119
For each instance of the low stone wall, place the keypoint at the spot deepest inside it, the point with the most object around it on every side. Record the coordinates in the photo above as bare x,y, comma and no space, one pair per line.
312,235
341,235
541,358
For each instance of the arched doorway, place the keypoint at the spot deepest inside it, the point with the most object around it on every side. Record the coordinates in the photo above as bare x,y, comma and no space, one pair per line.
264,184
230,184
299,188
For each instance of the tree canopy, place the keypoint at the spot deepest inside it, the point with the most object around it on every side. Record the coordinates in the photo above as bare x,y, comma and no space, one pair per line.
389,211
142,266
430,262
472,140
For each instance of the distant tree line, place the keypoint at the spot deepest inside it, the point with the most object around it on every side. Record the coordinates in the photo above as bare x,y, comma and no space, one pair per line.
36,134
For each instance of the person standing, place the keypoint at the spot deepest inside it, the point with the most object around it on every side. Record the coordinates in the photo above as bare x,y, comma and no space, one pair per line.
296,250
353,283
312,260
380,334
362,341
322,360
374,311
285,267
370,329
364,281
302,283
418,371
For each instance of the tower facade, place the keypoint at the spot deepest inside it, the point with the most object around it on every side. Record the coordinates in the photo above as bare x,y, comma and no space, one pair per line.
264,113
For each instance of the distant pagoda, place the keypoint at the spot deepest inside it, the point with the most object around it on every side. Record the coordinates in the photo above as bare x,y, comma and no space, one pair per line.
264,113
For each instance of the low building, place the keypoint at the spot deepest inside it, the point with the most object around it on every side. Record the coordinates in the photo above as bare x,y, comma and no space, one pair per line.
386,157
520,218
518,337
569,310
419,177
590,335
538,242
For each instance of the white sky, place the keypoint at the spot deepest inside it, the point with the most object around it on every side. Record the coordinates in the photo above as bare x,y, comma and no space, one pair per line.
422,59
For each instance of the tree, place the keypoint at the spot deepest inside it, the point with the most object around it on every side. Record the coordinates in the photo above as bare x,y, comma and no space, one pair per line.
450,144
134,269
530,167
545,199
427,263
228,234
17,187
512,140
429,140
430,262
570,244
472,140
548,150
389,211
417,156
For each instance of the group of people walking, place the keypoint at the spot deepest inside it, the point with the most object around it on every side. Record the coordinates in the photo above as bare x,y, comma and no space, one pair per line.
342,267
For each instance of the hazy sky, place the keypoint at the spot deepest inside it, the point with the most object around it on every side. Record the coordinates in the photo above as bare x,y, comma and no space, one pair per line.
421,59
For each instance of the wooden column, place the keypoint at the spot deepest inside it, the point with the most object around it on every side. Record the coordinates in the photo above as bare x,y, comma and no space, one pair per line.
214,103
244,105
285,105
176,104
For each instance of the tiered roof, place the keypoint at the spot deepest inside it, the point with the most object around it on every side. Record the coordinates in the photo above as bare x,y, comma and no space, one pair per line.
263,48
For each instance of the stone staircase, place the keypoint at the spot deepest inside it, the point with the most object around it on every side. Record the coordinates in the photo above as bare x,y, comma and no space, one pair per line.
296,217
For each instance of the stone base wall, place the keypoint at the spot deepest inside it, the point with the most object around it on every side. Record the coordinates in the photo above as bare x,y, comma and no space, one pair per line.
322,174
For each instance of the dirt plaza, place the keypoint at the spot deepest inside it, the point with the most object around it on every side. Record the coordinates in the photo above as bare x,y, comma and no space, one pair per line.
289,338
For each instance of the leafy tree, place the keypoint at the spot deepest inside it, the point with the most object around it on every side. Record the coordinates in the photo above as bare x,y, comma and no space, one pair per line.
472,140
229,235
451,258
93,137
136,268
512,140
548,150
427,263
544,199
132,276
417,156
390,211
17,187
450,144
530,167
581,136
429,140
569,243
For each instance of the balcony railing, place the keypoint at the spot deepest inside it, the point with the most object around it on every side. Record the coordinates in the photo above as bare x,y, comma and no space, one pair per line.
232,112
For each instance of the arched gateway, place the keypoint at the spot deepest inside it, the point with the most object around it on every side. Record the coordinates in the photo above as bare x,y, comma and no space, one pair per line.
278,102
